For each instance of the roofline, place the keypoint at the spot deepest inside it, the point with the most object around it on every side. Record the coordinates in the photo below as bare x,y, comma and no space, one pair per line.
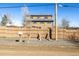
42,21
41,15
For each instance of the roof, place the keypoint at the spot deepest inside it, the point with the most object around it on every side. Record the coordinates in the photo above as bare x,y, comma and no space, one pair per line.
41,15
73,28
70,28
41,20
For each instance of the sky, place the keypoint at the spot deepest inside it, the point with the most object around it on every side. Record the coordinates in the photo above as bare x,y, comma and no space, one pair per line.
69,11
16,14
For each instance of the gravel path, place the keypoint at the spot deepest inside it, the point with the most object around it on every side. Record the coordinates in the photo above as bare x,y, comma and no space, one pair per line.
36,42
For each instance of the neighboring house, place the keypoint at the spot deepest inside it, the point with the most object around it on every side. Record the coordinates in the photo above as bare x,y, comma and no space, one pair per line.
41,20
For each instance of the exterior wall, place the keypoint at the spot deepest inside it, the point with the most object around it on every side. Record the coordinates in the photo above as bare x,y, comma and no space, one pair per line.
49,17
41,17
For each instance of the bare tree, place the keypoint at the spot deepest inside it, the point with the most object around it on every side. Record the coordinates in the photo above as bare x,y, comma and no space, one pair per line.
5,20
65,23
26,16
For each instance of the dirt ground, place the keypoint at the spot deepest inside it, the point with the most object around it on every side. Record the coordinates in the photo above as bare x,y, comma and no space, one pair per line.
38,51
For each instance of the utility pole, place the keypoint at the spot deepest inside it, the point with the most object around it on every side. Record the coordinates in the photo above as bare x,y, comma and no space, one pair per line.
56,32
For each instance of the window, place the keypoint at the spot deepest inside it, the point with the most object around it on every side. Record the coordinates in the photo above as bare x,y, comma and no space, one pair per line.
35,17
42,17
38,22
45,23
49,17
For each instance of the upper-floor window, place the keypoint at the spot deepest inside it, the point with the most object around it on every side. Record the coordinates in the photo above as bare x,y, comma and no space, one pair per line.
35,17
41,17
49,17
